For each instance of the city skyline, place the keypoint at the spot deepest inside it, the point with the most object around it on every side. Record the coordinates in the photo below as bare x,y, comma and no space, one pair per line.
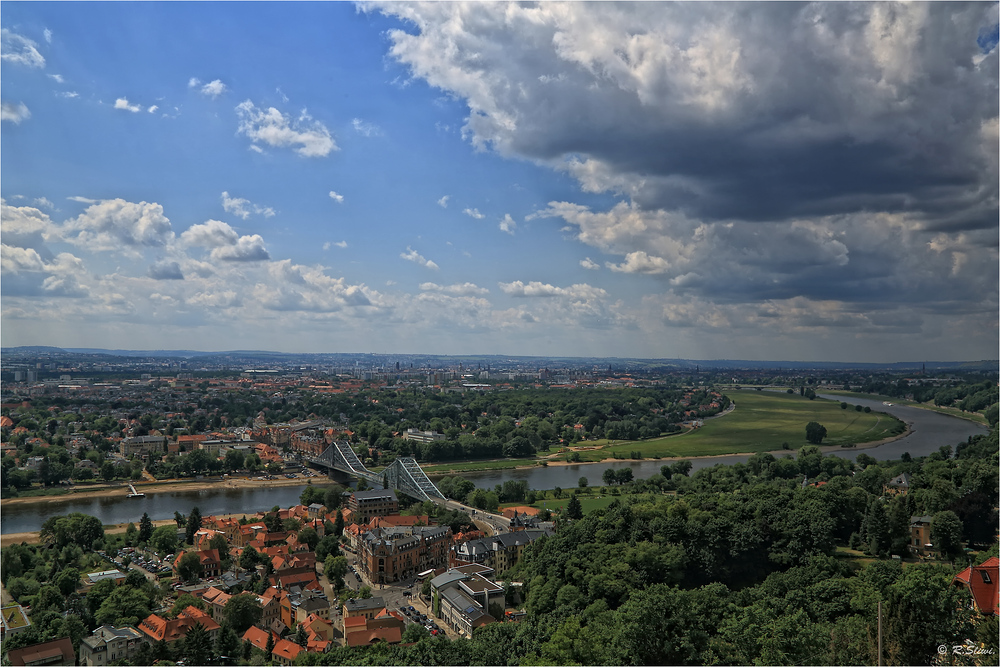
810,182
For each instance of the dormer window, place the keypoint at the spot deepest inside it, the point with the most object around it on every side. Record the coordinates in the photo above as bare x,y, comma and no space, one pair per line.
986,576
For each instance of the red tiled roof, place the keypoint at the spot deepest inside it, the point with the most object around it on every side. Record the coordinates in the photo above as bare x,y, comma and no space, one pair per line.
390,635
258,637
45,653
286,649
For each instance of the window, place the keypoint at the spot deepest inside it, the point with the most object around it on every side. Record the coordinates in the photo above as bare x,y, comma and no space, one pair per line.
986,576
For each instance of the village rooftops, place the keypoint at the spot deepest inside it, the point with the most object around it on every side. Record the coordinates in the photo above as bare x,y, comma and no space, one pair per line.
364,604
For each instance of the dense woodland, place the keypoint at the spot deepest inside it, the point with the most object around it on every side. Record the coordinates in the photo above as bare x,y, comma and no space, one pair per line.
744,565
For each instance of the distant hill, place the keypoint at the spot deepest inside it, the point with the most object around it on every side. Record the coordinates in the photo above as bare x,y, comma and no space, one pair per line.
616,363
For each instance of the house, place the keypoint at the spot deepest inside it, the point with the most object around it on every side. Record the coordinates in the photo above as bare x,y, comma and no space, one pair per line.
385,626
109,644
216,600
920,533
363,608
983,581
258,637
898,485
55,652
285,652
157,628
211,564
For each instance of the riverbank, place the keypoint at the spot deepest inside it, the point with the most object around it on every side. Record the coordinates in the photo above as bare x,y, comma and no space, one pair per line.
35,537
165,486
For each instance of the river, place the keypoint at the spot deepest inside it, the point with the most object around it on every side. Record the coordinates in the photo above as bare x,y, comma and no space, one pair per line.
930,431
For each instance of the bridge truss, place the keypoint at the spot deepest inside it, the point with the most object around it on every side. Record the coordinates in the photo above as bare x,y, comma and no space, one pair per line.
404,474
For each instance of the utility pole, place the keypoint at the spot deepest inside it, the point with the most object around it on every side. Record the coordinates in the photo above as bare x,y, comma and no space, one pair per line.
879,633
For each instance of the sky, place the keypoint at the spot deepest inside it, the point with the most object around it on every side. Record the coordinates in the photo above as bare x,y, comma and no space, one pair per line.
764,181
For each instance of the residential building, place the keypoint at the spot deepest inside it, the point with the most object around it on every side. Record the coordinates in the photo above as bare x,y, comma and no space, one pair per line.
55,652
422,436
392,554
211,564
472,584
157,628
462,613
500,552
285,652
142,445
366,504
898,485
386,626
258,637
361,608
109,644
920,533
983,581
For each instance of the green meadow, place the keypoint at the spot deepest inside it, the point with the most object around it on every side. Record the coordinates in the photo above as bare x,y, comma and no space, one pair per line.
763,421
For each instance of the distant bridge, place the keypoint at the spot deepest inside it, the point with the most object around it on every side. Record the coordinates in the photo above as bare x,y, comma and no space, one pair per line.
404,474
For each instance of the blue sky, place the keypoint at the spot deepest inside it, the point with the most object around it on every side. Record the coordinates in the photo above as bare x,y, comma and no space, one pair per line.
704,181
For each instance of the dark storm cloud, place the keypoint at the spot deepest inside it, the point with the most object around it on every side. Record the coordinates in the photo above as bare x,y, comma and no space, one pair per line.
840,152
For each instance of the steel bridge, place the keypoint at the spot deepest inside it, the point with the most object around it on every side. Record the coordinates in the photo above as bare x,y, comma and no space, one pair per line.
404,474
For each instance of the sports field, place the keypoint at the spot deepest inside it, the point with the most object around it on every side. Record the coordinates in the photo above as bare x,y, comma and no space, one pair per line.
764,421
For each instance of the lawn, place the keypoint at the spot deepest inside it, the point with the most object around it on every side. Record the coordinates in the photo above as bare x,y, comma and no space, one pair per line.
761,422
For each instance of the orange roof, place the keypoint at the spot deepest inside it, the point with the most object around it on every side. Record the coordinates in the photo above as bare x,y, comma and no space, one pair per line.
390,635
258,637
286,649
521,509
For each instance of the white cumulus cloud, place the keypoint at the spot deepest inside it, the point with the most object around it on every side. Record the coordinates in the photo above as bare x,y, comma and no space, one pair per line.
474,213
336,197
113,224
213,88
123,104
412,255
458,289
590,264
308,137
244,208
14,113
443,202
507,224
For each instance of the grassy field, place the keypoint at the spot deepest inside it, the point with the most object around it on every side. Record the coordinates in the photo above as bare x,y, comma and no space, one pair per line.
763,421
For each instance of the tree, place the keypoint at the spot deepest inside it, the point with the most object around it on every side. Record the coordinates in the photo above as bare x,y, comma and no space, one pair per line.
145,528
249,558
164,540
186,600
193,525
609,477
414,632
197,645
220,542
227,645
582,482
189,568
124,606
242,611
300,635
180,519
623,475
573,508
815,432
270,645
68,580
946,533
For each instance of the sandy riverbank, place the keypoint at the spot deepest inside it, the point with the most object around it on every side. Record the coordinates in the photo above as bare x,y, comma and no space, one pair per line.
168,486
